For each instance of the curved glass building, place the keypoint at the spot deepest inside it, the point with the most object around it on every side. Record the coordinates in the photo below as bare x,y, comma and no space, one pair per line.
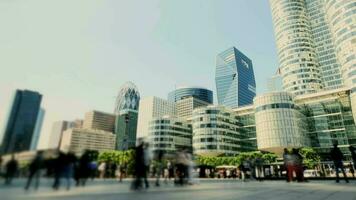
128,98
279,123
296,49
197,92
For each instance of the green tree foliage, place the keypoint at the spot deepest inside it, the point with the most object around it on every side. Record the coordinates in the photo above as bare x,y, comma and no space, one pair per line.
123,158
311,158
214,161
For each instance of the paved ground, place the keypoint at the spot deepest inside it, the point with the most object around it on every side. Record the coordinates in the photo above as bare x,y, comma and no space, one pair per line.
205,190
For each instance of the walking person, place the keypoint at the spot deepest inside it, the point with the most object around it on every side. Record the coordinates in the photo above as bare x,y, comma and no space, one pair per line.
288,164
298,165
159,166
11,169
139,166
102,169
35,170
337,157
353,156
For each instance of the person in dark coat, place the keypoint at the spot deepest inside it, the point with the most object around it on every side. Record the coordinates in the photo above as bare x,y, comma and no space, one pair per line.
83,169
140,167
59,164
337,157
35,170
353,155
11,170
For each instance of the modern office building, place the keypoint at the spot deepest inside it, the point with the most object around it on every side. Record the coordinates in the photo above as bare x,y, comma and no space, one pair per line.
77,140
279,123
126,129
234,78
169,134
217,131
126,110
311,120
37,132
316,43
200,93
98,120
247,127
329,117
21,121
186,106
58,128
128,98
152,107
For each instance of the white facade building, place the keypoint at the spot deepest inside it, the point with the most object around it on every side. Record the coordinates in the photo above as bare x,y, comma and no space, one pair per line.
78,140
149,108
279,124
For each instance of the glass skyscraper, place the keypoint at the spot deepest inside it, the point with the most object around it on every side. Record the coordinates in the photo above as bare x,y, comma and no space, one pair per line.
21,122
197,92
234,78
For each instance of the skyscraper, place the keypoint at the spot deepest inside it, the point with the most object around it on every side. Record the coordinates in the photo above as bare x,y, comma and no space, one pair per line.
126,110
315,43
37,132
22,121
197,92
234,78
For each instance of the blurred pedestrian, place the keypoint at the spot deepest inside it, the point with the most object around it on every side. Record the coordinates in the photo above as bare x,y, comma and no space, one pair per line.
298,165
140,168
289,165
83,170
35,170
337,157
59,163
102,169
68,168
11,169
159,166
353,155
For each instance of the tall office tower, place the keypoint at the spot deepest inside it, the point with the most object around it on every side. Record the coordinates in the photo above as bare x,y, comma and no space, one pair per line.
275,82
341,15
185,106
126,110
37,132
197,92
57,131
22,121
151,107
298,61
234,78
98,120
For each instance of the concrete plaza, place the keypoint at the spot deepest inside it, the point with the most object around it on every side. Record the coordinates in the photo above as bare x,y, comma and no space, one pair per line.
204,190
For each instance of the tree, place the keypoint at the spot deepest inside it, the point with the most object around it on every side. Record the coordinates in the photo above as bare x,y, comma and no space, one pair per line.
311,158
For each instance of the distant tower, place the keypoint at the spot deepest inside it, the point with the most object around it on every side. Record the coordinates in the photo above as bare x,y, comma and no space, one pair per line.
126,110
21,123
128,98
234,78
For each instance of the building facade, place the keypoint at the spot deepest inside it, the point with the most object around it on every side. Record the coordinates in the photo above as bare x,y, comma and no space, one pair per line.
169,134
21,121
234,78
200,93
217,131
58,128
329,118
279,123
152,107
128,98
186,106
98,120
247,127
126,129
78,140
37,132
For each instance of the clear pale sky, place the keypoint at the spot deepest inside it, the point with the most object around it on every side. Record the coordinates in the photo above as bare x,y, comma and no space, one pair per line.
78,53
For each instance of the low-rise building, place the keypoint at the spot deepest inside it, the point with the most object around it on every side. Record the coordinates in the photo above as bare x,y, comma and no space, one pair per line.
78,140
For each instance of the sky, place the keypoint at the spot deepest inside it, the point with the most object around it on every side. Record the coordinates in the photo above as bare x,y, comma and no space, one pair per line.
77,54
